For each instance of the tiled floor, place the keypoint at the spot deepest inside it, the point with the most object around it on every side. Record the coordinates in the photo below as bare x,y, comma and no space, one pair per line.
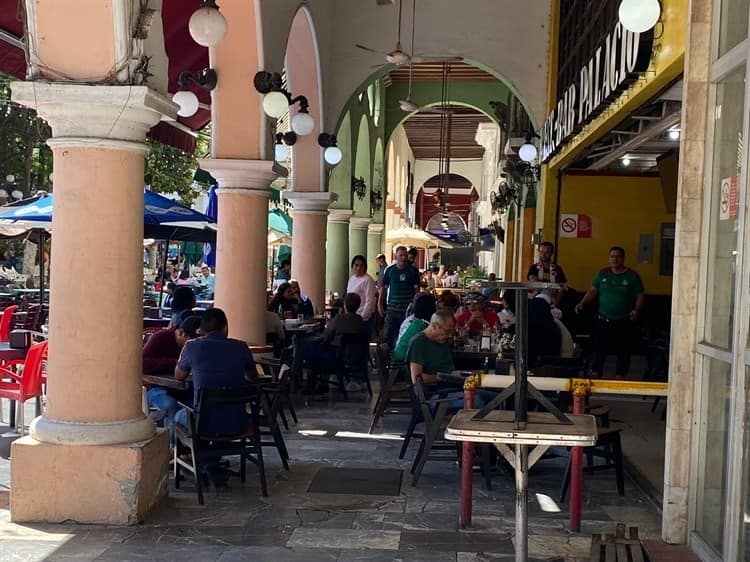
419,524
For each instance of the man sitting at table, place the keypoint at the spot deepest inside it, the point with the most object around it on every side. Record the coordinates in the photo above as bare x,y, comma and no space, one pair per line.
216,361
430,353
476,315
160,354
322,358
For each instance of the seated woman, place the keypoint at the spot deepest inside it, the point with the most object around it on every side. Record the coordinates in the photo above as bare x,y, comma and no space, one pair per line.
183,302
424,308
160,355
303,304
283,301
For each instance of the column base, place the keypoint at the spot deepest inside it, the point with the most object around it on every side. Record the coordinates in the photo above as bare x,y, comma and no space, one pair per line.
104,484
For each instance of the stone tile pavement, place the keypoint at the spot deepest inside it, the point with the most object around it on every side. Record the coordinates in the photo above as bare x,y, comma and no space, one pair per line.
291,524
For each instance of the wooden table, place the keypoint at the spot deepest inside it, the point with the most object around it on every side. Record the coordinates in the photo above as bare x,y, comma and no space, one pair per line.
541,431
155,322
8,353
169,381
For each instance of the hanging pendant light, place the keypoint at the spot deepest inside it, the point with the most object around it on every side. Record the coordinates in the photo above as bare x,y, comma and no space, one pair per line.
207,25
639,16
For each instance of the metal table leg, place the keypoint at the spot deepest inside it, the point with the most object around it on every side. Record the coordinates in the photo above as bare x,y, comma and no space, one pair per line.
522,514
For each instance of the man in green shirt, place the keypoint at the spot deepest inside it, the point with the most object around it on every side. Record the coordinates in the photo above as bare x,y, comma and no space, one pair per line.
620,292
430,351
400,284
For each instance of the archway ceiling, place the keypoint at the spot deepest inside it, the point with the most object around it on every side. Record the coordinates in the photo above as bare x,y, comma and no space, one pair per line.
433,72
423,132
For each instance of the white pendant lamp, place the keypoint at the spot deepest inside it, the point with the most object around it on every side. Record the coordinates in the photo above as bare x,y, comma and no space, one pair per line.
332,155
303,124
207,25
527,152
187,101
639,15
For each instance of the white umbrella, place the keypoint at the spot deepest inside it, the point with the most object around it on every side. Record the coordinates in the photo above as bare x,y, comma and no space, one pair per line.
415,237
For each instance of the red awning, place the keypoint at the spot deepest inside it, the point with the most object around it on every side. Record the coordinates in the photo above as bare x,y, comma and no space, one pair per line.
183,53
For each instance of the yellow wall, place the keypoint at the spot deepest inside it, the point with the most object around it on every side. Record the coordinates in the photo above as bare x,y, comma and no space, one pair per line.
621,208
666,65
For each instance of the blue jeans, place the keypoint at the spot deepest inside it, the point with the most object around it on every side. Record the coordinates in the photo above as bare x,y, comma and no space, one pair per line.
481,399
158,397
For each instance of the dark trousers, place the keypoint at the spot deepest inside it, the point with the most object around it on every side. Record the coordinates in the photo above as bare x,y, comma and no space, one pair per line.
393,320
613,335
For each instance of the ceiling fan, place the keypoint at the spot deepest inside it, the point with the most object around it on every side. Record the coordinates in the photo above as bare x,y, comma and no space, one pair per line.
398,56
408,104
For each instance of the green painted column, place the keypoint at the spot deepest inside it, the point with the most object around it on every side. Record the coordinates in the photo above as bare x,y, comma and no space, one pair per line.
374,247
337,250
358,237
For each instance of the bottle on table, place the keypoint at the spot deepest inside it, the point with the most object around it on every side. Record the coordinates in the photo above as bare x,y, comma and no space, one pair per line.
486,341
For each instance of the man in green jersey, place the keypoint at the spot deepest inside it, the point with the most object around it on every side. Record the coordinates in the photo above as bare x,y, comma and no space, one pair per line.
620,292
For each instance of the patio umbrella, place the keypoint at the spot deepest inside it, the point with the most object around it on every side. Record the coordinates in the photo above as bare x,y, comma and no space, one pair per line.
415,237
163,219
212,212
279,221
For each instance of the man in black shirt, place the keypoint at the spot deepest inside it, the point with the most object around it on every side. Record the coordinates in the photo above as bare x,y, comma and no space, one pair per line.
547,271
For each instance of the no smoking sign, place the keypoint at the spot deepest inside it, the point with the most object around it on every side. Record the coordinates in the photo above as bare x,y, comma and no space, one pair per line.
575,226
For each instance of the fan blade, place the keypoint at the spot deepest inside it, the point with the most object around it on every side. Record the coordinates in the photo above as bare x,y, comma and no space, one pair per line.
364,48
419,59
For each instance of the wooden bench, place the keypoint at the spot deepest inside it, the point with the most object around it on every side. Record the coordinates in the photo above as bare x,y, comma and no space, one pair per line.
617,547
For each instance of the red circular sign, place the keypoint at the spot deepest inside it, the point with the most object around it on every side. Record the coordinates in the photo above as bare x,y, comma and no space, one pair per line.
568,225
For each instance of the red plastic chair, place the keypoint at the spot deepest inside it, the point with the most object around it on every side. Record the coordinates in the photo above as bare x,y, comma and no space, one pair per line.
6,322
26,384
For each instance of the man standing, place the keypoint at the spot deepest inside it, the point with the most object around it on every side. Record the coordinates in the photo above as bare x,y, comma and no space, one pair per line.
380,260
400,283
620,292
547,271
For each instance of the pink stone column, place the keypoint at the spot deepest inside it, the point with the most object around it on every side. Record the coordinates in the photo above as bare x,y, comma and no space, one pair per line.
93,456
242,243
309,243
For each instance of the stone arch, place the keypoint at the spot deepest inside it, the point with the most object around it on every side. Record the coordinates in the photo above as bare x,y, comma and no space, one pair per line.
362,89
302,63
363,167
339,181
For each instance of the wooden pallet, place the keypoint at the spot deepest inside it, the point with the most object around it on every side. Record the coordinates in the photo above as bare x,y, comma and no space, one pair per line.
617,547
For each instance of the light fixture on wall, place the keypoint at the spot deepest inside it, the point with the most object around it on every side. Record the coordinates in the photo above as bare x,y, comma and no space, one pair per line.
207,25
376,200
332,153
359,187
283,142
625,161
186,99
639,15
674,133
277,100
528,151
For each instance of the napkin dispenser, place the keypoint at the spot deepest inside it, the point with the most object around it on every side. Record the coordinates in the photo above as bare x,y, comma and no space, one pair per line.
20,339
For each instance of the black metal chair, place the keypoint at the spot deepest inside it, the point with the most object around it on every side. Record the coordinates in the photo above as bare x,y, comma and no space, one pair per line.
608,447
197,443
388,401
353,361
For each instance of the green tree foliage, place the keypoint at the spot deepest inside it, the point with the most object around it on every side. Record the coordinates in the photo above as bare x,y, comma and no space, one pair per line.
25,155
23,150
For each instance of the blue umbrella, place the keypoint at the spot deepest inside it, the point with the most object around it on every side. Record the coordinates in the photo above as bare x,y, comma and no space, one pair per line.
212,212
163,218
